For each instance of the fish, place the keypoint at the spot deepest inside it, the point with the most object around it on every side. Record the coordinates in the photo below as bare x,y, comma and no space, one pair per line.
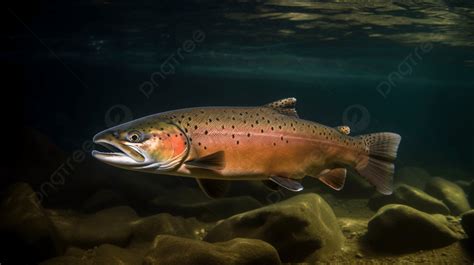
268,143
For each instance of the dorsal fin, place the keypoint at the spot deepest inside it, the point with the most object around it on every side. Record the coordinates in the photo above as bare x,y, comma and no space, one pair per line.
285,106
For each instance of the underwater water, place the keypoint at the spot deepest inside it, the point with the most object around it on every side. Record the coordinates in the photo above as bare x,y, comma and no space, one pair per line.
83,66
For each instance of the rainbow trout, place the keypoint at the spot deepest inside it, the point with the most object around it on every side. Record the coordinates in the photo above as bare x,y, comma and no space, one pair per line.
268,143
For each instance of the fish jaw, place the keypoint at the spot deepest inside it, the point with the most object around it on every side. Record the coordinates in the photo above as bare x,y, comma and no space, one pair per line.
121,154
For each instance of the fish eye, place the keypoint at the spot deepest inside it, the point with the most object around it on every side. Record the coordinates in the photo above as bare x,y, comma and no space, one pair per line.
135,137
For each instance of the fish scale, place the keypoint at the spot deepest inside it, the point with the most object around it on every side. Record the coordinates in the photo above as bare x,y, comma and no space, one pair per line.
239,130
270,142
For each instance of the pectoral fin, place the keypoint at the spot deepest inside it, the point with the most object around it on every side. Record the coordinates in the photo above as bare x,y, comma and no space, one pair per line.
214,161
213,188
334,178
287,183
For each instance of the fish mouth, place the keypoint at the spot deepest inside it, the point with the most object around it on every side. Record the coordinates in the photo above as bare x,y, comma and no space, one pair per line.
118,154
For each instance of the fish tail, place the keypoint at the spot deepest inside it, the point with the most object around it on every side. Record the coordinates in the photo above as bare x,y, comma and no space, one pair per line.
379,167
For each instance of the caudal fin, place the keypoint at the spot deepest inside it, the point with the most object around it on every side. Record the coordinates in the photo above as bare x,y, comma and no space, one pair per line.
379,168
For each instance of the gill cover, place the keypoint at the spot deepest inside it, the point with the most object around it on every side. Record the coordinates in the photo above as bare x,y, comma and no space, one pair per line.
168,146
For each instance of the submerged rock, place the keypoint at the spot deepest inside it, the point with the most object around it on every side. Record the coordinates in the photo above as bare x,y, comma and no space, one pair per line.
464,184
146,229
411,196
120,226
470,194
201,207
21,211
25,225
413,176
301,228
399,228
467,223
111,226
103,199
450,193
102,255
170,250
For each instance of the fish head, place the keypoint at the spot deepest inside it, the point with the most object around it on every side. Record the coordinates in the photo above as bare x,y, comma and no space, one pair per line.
143,145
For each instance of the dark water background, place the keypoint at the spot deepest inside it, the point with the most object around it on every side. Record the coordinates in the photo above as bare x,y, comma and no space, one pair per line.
73,68
81,66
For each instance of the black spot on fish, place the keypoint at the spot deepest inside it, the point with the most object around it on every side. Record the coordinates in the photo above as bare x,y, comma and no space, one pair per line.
248,134
206,132
195,127
238,142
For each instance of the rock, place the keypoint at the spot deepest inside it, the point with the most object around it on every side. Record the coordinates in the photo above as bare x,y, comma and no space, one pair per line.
22,212
467,222
355,187
239,251
470,194
146,229
410,196
353,227
450,193
464,184
399,228
201,207
301,228
111,226
103,255
103,199
24,225
413,176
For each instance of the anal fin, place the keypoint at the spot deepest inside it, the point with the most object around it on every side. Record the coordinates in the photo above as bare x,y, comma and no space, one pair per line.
334,178
287,183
